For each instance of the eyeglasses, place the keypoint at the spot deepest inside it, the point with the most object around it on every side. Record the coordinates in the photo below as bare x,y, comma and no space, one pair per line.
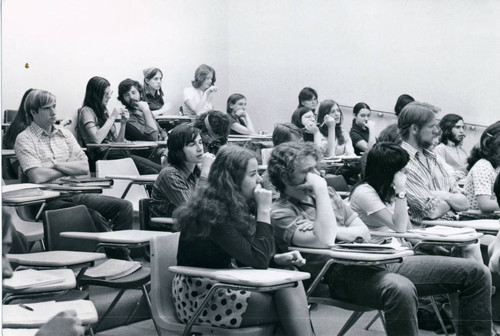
108,94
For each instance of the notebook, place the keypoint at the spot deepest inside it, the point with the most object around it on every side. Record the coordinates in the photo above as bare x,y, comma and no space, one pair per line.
87,181
440,230
30,278
113,269
392,247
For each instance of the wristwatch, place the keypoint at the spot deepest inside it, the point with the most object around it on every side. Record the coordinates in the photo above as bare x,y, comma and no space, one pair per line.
401,195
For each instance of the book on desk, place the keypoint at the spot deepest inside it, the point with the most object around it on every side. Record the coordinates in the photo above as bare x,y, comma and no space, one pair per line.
26,192
87,181
113,269
444,231
392,247
30,278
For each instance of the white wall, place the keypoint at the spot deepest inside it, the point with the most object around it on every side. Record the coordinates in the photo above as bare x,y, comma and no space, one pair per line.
443,52
66,42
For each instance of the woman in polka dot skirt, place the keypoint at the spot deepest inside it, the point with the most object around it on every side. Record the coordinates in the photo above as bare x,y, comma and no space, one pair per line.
227,223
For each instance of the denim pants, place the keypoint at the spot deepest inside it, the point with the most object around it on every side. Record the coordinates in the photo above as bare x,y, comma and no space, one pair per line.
394,288
105,210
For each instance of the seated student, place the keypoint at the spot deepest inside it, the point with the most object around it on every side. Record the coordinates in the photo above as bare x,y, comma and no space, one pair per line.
402,101
95,125
335,140
308,97
284,132
63,324
494,248
214,127
228,218
238,117
450,147
310,214
362,132
484,166
380,198
180,176
47,153
141,125
152,92
304,118
198,97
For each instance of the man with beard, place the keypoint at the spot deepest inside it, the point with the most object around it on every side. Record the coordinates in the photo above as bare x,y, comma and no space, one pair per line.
141,125
432,192
450,148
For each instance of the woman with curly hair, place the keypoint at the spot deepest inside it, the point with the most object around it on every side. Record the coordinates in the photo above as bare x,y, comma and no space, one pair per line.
229,218
336,140
484,166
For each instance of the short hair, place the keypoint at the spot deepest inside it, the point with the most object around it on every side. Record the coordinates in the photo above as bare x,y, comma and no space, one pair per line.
390,134
446,124
415,113
232,100
359,106
384,160
201,74
402,101
283,133
489,147
307,93
214,126
125,86
179,137
37,99
285,159
324,109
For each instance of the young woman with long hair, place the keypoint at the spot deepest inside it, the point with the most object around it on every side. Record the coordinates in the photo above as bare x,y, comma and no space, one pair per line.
362,133
198,97
238,117
152,92
229,218
335,141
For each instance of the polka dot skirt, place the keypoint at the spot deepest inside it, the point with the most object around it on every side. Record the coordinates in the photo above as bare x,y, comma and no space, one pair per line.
224,310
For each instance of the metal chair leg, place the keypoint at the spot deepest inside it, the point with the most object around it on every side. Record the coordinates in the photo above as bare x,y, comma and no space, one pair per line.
350,322
375,318
440,318
113,304
148,301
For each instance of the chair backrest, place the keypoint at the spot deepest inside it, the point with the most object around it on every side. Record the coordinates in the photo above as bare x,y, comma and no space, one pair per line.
9,116
337,182
121,167
75,218
266,155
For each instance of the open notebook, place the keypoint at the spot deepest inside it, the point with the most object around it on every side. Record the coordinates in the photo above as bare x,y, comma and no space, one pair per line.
40,312
113,269
392,247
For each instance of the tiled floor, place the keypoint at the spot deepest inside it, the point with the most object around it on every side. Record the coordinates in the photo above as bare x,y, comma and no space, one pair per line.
327,322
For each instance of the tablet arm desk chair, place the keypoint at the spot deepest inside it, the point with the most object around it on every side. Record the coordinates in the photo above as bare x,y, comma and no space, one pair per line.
163,256
78,219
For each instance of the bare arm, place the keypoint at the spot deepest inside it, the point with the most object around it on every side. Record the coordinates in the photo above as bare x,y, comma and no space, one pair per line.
99,134
332,139
325,228
43,174
487,203
353,231
456,201
73,167
241,129
198,109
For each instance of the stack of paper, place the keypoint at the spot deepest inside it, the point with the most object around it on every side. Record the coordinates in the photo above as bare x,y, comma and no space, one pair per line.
393,247
88,181
444,231
30,278
113,269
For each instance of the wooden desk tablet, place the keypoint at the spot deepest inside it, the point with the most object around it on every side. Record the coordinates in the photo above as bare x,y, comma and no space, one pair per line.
17,316
172,117
8,153
244,276
147,179
459,238
119,237
357,257
72,189
19,332
40,281
135,145
55,258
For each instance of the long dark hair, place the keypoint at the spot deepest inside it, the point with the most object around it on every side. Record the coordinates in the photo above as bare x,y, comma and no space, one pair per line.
446,124
219,202
324,110
489,147
384,160
94,93
17,125
307,93
148,74
297,121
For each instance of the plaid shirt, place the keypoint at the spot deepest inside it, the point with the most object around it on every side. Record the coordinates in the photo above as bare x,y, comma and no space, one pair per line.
34,147
426,174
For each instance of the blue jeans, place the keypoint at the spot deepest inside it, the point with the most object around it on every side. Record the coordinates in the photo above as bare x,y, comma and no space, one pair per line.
394,288
109,211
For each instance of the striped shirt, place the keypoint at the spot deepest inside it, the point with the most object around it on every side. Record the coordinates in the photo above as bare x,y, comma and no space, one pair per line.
426,174
34,147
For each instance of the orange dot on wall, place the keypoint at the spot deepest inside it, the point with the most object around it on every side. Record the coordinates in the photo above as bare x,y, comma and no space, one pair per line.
27,66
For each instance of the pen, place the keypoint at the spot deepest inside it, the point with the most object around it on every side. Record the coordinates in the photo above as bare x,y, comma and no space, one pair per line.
26,307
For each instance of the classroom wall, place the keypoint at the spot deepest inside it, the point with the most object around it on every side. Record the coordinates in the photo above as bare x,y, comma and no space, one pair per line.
66,42
443,52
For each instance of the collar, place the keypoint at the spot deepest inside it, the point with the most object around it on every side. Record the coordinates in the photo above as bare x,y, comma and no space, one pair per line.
452,144
38,131
413,152
186,172
297,202
150,91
